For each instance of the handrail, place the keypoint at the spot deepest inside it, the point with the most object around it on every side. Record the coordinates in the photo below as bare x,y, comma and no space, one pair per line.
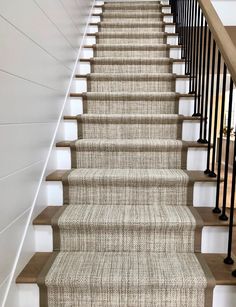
207,48
221,36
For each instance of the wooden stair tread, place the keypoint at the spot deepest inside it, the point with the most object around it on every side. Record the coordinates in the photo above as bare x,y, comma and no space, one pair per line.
33,268
78,95
186,118
208,217
190,144
196,176
167,45
81,76
221,272
99,22
165,33
211,219
45,217
171,59
162,14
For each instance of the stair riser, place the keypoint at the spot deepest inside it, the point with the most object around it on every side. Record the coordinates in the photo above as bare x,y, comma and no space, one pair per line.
171,40
94,29
190,130
203,194
175,53
75,107
85,68
210,242
96,19
181,86
165,10
196,160
29,295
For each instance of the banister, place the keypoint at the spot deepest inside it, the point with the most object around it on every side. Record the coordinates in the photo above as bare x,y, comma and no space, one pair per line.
221,36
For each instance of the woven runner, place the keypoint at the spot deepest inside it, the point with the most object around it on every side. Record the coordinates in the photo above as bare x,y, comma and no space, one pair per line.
128,235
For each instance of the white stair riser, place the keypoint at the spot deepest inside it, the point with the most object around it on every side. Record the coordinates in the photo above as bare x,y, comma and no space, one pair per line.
96,19
166,10
223,296
28,295
196,158
75,106
171,40
175,53
214,239
190,130
204,194
85,68
43,238
167,28
186,106
182,85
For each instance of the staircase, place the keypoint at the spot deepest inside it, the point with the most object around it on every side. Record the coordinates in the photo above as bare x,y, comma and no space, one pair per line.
130,229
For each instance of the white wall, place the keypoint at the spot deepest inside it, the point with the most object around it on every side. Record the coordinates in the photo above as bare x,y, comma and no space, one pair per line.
226,10
39,43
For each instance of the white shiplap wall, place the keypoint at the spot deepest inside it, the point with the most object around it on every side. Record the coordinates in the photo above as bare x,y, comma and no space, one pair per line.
39,43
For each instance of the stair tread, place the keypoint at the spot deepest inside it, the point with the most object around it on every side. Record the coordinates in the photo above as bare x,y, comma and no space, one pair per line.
151,142
132,47
33,268
127,215
186,267
196,176
133,60
137,117
206,214
131,95
123,34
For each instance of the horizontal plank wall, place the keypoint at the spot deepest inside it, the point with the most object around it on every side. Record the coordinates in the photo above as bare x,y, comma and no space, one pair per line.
39,45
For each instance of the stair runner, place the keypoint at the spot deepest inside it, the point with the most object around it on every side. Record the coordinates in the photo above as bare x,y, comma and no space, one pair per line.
127,234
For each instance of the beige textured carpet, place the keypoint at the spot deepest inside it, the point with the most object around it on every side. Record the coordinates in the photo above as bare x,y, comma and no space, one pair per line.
128,235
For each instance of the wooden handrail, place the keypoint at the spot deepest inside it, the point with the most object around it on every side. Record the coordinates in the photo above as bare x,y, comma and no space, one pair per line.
221,36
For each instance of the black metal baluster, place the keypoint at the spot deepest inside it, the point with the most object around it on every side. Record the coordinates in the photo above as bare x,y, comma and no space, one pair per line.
229,259
221,137
189,42
191,35
201,140
197,55
200,67
207,89
208,171
194,33
231,221
212,173
223,215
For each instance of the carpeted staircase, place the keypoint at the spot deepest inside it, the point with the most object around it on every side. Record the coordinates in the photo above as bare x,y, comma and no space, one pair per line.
127,233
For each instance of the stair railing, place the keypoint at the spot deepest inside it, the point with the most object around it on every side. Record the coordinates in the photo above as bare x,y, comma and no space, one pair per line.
210,63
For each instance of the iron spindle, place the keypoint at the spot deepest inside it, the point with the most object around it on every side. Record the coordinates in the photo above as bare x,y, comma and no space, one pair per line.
208,171
197,55
229,259
207,88
194,33
221,137
200,67
223,215
212,173
201,140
